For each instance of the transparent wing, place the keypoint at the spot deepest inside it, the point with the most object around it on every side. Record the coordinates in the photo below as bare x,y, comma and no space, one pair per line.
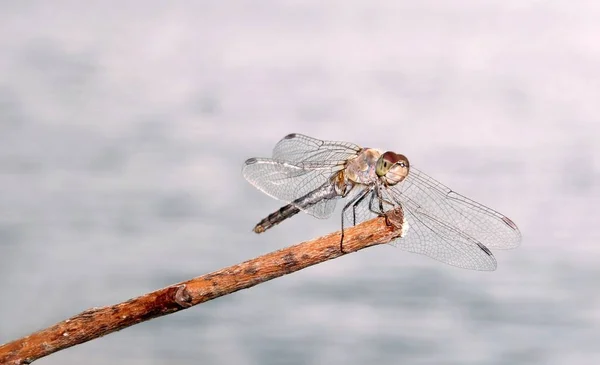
288,182
422,193
429,236
299,165
425,234
300,149
449,227
442,224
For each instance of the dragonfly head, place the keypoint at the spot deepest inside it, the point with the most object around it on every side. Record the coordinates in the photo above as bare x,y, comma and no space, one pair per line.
392,167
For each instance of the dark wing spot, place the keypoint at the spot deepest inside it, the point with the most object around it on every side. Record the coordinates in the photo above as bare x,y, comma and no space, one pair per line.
251,161
510,223
290,136
485,249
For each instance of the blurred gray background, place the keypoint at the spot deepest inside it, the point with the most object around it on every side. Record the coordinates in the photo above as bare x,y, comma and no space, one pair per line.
124,126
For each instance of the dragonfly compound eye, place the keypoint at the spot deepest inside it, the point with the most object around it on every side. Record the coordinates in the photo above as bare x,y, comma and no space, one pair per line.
398,167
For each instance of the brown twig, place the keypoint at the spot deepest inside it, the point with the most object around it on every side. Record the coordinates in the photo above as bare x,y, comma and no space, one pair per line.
97,322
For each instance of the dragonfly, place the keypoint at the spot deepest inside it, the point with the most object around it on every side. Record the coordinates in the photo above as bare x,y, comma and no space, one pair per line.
311,175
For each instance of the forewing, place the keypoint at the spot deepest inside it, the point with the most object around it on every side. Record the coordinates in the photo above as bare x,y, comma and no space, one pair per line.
311,152
287,182
483,224
427,235
449,227
299,165
424,234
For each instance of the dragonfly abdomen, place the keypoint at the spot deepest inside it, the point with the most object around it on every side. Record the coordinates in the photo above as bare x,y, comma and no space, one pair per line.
325,191
276,217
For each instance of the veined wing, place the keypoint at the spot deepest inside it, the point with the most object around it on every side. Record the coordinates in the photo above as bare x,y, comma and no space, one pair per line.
425,234
429,236
287,182
449,227
308,151
424,195
299,165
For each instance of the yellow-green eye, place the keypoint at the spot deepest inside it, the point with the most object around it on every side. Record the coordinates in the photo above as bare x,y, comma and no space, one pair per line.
381,167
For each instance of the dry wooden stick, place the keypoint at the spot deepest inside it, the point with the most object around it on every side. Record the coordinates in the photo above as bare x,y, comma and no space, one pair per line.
97,322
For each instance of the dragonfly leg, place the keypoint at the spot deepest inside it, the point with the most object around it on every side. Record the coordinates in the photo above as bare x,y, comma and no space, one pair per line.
387,221
352,203
371,208
381,211
356,204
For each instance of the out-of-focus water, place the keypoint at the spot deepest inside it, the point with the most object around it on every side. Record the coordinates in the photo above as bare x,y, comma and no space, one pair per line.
123,128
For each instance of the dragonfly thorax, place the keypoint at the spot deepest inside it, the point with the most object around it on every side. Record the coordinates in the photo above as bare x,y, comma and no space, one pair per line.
371,166
361,169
